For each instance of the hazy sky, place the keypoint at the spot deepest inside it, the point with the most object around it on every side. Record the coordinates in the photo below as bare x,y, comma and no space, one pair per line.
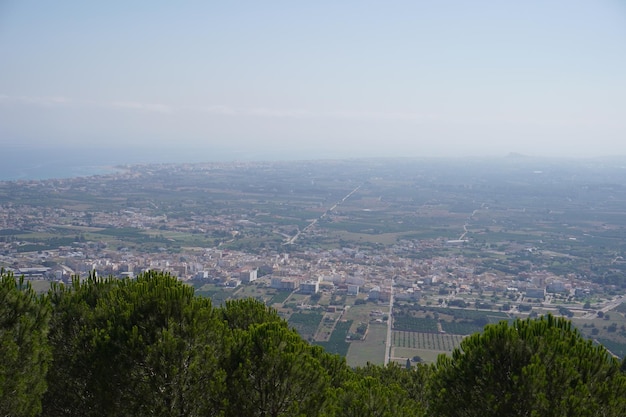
317,78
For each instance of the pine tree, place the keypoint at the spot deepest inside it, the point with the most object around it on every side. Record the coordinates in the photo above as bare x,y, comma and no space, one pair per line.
541,367
272,372
24,350
135,347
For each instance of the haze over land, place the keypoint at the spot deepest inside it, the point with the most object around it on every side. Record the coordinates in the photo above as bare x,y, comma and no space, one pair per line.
290,208
279,80
438,247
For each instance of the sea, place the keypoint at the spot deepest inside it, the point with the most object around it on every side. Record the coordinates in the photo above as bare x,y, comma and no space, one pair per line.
57,162
40,163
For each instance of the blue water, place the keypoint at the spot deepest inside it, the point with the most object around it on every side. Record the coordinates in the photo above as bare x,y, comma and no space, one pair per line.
37,163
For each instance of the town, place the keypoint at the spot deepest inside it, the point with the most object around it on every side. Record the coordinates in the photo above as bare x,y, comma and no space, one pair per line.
378,260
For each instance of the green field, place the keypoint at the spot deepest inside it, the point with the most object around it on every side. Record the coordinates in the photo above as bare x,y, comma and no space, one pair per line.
414,324
427,341
305,323
372,349
400,355
337,342
279,297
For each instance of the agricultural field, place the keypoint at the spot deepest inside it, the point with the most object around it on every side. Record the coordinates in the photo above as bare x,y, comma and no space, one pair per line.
279,297
400,355
426,341
357,219
337,343
414,324
40,286
327,326
372,349
306,324
248,291
461,327
218,295
609,329
467,314
359,313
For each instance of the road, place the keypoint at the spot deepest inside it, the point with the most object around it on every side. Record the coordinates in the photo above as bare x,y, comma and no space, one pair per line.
606,308
465,231
388,346
295,237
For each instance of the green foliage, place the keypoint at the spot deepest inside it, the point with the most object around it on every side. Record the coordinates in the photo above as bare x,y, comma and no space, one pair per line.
471,315
457,303
152,347
381,391
530,368
614,347
414,324
305,323
462,327
24,351
368,396
242,314
413,382
337,343
272,372
133,347
71,325
280,297
565,311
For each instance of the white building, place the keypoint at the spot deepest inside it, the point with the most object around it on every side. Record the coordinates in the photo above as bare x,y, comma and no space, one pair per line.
284,283
310,287
248,275
353,289
374,294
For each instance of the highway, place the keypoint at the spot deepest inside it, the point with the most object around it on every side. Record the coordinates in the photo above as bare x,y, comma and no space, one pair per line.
606,308
295,237
388,346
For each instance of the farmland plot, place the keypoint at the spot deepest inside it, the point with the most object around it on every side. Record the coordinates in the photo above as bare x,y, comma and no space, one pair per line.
426,341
